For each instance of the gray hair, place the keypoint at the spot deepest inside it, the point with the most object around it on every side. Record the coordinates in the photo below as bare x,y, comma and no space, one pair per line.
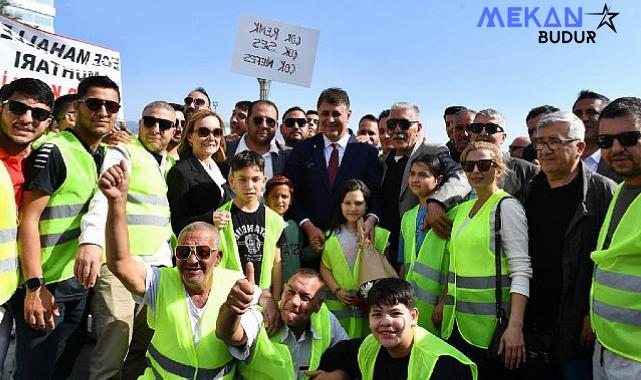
465,111
493,114
159,104
576,128
201,226
406,106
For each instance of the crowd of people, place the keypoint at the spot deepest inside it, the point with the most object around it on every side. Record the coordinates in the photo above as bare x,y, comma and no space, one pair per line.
204,254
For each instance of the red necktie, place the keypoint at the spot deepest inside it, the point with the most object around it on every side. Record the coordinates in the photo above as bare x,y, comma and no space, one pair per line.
332,168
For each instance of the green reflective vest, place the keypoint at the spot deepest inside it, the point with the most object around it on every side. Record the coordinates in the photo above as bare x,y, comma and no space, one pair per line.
353,319
615,296
8,237
172,353
274,225
426,349
272,359
428,271
471,300
148,221
59,224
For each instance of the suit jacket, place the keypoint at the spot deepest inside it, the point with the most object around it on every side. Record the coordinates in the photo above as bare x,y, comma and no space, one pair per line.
278,159
453,189
307,169
192,194
604,169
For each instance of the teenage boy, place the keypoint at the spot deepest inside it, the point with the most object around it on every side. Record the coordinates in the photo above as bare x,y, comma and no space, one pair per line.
251,232
410,352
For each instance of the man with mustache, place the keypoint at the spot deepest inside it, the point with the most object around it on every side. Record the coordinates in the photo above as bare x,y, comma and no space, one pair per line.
460,135
294,128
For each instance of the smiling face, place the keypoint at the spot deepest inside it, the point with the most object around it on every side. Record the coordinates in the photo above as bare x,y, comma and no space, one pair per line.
205,147
238,121
301,298
405,139
353,206
100,122
261,133
392,326
155,139
247,183
21,130
369,128
195,273
482,179
624,160
334,120
421,180
494,138
279,199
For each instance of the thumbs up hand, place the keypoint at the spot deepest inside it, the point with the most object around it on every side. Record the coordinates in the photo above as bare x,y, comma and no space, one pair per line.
241,295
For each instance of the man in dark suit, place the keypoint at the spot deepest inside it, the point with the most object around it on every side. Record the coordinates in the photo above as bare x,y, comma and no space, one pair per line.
261,129
318,166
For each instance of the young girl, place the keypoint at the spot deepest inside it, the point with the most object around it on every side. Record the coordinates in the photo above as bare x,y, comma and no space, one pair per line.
278,196
340,263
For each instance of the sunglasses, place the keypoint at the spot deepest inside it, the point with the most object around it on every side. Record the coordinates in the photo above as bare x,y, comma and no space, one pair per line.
490,128
291,122
19,108
95,104
403,123
257,120
204,132
202,252
198,102
482,165
630,138
180,123
364,132
163,124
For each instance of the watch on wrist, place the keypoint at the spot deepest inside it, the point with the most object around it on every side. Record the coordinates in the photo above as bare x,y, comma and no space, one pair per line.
35,283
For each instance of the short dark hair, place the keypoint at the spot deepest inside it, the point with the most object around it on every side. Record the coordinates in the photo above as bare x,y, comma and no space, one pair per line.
391,292
61,105
432,162
311,112
333,96
452,110
101,81
384,114
621,107
369,117
589,94
202,91
243,105
540,110
292,109
177,107
245,159
31,88
262,101
278,181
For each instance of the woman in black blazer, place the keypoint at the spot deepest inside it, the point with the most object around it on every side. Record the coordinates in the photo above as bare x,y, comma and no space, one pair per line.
197,183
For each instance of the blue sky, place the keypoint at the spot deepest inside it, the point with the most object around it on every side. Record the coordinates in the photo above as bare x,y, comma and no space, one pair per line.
426,52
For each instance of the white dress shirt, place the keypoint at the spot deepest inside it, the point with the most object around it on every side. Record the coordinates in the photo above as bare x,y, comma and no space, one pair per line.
269,168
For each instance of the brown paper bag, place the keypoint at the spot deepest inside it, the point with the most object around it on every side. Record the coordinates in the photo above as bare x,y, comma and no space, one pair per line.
373,265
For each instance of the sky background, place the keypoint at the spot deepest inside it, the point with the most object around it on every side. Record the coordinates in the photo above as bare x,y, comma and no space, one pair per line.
430,53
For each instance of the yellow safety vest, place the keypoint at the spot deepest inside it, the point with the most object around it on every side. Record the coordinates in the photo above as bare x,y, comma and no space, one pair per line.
9,272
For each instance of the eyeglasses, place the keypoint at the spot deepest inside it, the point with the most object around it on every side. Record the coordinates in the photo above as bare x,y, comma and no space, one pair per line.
202,252
364,132
198,102
257,120
553,143
204,132
19,108
403,123
630,138
490,128
163,124
291,122
180,123
482,165
95,104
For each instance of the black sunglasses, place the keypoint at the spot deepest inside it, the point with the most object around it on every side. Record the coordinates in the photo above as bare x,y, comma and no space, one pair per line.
204,132
163,124
490,128
202,252
257,120
630,138
198,102
403,123
180,123
19,108
483,165
95,104
291,122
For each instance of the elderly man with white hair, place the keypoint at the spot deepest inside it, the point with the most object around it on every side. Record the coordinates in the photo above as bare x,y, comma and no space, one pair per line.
565,205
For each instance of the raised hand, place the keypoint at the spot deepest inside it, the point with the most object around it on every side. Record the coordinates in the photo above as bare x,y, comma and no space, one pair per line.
241,295
114,182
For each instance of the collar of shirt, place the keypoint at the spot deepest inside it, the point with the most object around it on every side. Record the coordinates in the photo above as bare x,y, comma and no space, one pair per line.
285,332
593,160
242,146
342,142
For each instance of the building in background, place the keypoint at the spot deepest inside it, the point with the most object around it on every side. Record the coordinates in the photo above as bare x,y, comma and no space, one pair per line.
38,13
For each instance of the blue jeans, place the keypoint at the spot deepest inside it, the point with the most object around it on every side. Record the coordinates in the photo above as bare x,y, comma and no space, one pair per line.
38,353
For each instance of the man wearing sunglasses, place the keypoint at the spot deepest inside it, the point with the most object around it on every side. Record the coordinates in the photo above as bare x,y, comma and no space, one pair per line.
24,106
489,125
261,129
195,100
112,306
616,297
183,302
565,205
60,178
294,128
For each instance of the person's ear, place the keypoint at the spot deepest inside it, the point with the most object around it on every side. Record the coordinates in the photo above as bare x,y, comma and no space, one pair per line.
580,145
439,180
414,316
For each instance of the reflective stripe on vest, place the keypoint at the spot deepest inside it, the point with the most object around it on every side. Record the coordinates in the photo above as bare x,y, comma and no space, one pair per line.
9,273
274,225
59,225
8,234
187,371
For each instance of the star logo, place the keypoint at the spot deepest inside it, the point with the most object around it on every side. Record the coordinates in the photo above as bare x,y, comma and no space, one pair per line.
607,17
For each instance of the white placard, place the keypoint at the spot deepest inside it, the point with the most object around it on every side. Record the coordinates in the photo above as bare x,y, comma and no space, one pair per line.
275,50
